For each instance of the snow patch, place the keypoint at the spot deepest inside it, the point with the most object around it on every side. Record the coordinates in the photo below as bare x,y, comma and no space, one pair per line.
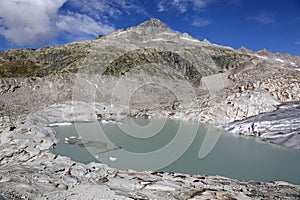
280,60
158,39
189,39
120,33
263,57
224,47
108,121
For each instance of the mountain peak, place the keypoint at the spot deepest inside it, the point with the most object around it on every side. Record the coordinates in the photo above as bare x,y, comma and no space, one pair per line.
153,22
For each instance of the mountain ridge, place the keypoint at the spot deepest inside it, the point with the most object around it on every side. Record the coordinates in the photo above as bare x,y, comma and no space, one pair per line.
208,58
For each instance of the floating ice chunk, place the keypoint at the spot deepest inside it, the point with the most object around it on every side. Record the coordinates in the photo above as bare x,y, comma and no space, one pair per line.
108,121
112,158
61,124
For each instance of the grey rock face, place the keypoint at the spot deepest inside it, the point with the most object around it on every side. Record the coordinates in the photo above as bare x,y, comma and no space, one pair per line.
138,58
281,126
153,23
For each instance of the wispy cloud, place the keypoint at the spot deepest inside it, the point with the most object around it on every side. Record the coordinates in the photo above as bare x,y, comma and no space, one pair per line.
182,5
105,8
297,42
95,8
161,6
81,24
199,22
263,18
197,5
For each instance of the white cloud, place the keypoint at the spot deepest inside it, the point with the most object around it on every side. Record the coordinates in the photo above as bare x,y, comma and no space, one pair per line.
102,9
197,5
81,24
27,22
161,6
35,22
200,22
181,5
95,8
263,18
200,3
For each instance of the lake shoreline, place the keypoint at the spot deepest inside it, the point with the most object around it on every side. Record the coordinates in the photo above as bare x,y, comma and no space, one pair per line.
46,175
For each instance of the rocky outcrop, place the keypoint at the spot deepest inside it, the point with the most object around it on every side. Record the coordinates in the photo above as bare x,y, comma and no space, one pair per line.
147,59
280,126
226,59
284,88
153,23
43,61
24,95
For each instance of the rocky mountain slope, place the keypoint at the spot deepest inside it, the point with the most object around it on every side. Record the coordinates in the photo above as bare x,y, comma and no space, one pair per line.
151,49
140,45
143,71
207,58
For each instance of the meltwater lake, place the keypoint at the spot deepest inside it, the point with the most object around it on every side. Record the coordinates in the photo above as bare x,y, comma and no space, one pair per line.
177,146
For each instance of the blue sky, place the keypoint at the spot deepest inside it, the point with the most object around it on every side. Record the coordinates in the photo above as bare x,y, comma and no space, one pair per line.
255,24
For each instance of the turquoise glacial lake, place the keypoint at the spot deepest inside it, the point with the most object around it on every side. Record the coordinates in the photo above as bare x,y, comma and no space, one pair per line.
177,146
